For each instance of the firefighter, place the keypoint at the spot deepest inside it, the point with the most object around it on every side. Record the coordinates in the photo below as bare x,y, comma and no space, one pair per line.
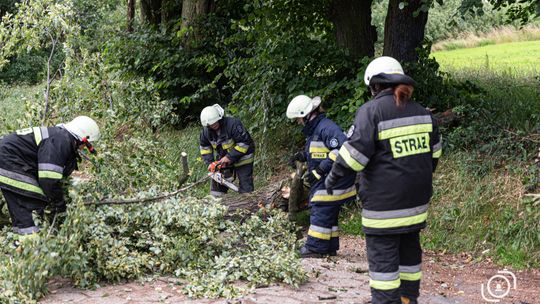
395,144
33,163
225,143
323,140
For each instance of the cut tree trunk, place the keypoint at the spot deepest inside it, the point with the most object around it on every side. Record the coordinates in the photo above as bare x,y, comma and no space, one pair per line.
352,26
404,29
288,194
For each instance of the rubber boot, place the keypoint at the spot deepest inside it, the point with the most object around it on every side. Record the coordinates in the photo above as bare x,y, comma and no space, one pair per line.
306,253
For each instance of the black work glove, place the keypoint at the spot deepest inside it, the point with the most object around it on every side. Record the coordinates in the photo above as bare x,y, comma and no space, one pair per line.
313,176
330,182
298,156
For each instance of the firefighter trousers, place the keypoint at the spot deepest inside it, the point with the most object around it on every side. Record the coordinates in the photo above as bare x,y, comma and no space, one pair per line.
394,267
20,210
245,177
323,233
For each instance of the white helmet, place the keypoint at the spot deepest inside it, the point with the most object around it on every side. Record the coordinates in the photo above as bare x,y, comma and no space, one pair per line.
302,105
83,126
210,115
382,65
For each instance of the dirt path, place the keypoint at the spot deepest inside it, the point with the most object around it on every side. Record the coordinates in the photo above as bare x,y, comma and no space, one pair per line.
342,279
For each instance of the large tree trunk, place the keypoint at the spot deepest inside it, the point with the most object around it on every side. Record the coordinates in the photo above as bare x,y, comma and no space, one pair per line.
193,9
171,10
130,15
352,26
404,29
151,11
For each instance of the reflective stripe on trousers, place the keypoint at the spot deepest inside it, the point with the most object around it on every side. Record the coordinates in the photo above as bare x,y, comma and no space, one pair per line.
394,218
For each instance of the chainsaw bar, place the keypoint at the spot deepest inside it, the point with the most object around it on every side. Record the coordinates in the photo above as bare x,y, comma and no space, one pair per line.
218,178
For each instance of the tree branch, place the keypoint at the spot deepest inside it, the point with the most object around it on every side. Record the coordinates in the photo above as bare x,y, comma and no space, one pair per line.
185,176
49,80
149,199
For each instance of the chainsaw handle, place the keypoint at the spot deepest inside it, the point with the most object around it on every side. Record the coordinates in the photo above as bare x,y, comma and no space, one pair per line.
214,166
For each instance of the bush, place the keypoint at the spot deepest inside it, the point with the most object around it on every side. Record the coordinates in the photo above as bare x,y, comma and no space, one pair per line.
30,68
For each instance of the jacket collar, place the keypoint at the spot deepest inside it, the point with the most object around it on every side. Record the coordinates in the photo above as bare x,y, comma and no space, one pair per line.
310,126
383,93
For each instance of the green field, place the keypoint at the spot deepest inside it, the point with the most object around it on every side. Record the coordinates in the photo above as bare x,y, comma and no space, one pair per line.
517,58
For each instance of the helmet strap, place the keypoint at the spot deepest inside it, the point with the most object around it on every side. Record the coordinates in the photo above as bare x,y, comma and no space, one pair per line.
88,145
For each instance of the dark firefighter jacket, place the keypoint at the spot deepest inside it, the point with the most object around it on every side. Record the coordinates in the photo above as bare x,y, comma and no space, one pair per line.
33,162
396,149
233,140
324,138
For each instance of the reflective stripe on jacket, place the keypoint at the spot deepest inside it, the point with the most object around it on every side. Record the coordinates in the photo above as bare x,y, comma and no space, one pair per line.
396,149
33,162
233,141
324,139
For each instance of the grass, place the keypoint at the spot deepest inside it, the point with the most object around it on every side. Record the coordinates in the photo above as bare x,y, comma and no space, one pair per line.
484,213
517,59
505,34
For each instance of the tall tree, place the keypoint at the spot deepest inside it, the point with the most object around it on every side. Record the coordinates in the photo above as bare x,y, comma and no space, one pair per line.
404,28
130,15
352,26
151,11
192,10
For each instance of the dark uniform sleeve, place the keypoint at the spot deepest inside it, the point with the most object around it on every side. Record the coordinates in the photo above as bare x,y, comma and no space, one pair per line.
206,149
333,140
436,143
355,153
53,155
242,141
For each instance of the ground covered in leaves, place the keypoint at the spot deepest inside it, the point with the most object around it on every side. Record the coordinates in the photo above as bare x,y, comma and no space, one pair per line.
343,279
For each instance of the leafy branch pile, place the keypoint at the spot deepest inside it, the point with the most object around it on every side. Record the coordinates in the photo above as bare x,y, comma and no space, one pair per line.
184,236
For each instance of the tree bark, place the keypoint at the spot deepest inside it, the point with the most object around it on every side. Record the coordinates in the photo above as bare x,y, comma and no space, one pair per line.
404,29
130,15
151,11
352,26
193,9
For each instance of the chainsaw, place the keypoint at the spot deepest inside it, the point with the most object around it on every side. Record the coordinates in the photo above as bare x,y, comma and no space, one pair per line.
218,177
